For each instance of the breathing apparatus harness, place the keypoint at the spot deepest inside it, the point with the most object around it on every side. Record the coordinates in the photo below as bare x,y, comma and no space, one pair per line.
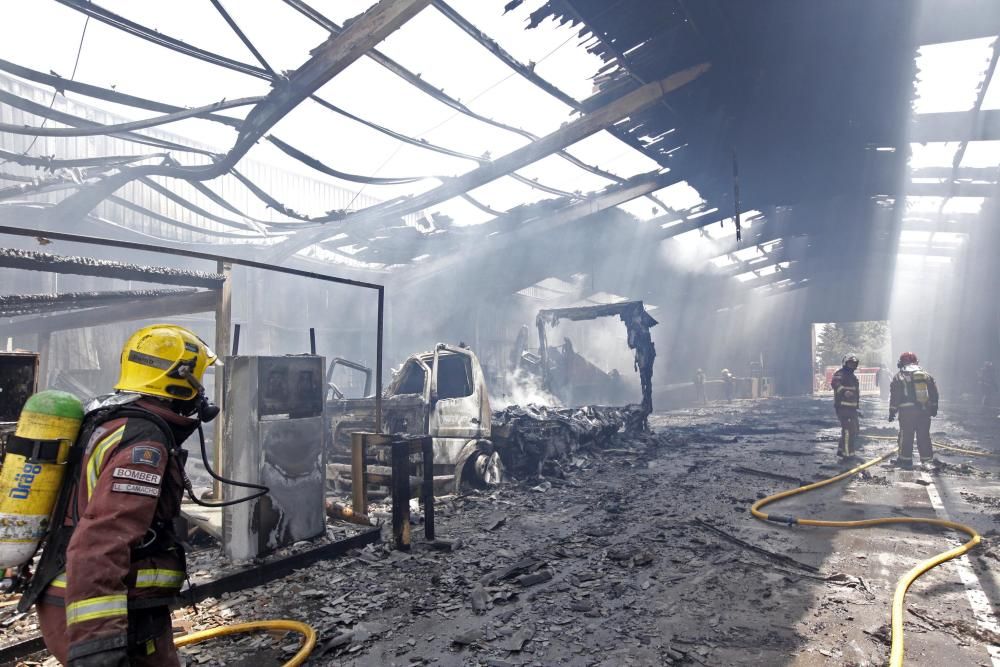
160,536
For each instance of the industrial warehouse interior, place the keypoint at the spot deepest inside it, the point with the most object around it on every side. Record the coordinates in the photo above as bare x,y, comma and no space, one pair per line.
499,332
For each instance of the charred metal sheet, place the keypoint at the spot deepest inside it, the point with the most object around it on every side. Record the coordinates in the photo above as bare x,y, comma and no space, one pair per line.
11,258
14,305
529,436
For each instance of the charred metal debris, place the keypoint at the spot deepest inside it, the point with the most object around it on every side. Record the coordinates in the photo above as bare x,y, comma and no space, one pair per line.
11,258
27,304
531,438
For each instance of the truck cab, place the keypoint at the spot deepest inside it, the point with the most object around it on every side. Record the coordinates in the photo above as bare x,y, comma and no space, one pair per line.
441,393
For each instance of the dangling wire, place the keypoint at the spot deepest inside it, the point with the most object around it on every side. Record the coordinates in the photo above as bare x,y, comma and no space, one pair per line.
736,198
55,93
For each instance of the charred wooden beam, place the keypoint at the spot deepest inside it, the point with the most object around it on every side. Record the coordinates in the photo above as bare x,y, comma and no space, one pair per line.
528,72
127,311
525,230
695,223
14,305
326,61
28,260
565,136
774,256
950,188
971,125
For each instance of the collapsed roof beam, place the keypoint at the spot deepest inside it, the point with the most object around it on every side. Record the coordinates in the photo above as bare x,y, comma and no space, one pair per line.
529,73
528,231
696,223
776,255
952,189
566,135
425,87
326,61
950,224
973,125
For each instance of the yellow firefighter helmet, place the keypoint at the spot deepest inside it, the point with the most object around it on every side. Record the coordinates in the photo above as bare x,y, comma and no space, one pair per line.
153,357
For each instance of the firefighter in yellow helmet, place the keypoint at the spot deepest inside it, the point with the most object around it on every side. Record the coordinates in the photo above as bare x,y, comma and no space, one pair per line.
913,395
113,564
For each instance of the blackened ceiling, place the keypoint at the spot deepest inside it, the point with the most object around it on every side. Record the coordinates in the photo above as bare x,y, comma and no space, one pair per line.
800,91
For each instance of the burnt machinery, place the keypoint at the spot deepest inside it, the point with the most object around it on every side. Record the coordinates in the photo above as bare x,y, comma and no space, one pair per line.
564,372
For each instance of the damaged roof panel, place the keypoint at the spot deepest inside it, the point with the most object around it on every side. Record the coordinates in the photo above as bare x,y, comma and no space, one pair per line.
550,48
950,74
610,153
456,63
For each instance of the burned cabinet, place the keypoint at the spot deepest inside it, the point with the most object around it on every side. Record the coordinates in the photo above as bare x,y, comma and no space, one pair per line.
273,434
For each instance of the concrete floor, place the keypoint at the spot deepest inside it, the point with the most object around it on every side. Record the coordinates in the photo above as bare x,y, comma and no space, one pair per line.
655,559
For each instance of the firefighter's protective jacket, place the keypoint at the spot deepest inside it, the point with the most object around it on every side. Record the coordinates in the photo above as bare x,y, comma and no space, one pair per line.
846,390
913,388
122,554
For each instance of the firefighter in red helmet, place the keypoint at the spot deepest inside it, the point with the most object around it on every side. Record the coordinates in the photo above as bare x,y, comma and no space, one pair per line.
913,395
846,401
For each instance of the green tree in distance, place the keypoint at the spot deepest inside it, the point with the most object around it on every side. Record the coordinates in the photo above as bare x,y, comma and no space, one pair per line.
865,339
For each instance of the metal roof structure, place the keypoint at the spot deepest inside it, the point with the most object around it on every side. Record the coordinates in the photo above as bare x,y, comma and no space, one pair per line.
731,139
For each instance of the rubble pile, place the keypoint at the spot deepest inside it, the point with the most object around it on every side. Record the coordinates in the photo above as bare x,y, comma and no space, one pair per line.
530,436
640,551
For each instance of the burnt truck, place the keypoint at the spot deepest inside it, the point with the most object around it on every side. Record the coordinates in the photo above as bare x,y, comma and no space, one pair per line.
441,393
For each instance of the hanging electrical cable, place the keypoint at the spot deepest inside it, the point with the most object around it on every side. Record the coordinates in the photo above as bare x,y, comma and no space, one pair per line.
55,94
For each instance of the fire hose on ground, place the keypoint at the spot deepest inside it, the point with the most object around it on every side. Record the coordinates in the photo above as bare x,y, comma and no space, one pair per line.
308,634
896,650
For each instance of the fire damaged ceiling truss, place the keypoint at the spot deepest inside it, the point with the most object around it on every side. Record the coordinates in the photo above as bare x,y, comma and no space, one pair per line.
380,234
649,91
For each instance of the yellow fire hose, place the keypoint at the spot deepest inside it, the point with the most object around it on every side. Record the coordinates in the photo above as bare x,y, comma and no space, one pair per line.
307,632
896,650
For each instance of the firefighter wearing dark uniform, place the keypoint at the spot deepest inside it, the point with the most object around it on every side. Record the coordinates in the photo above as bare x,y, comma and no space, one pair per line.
846,397
914,397
699,387
105,600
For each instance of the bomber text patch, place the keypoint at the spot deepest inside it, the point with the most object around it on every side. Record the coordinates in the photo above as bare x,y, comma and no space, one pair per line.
149,456
137,475
138,489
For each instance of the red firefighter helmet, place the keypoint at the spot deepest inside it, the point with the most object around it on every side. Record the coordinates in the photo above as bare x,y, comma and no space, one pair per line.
907,359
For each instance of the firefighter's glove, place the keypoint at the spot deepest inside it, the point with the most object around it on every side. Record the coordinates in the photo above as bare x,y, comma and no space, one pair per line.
933,412
117,657
892,416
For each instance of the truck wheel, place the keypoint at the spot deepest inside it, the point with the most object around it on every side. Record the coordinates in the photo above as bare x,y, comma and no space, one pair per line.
480,471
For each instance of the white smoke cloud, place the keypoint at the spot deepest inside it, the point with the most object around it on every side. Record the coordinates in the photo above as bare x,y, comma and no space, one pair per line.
523,388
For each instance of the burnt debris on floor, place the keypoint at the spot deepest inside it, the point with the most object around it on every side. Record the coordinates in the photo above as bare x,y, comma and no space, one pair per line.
637,549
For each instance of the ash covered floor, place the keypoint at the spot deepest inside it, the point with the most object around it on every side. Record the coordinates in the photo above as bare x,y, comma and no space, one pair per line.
646,554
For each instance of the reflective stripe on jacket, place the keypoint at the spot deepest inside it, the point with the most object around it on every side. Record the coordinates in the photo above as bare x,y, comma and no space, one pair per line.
128,485
846,389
